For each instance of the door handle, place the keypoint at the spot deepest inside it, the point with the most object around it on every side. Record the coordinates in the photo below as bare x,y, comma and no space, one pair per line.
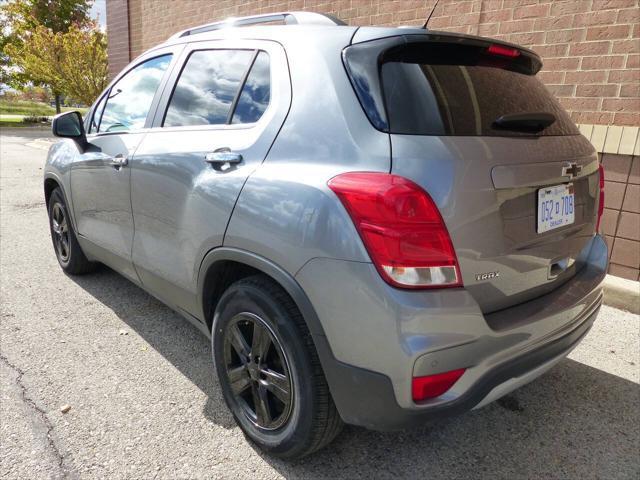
119,161
223,156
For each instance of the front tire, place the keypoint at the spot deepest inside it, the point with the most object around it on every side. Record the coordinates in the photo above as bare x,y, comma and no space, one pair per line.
269,371
65,243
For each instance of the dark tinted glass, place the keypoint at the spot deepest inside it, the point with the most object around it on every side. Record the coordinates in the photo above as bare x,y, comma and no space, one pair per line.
130,99
256,92
464,100
207,86
68,125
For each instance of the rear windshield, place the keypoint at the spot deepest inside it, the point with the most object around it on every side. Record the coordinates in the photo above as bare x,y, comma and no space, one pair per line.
464,100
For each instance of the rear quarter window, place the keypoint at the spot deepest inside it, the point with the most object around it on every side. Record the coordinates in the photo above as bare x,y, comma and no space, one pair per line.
256,92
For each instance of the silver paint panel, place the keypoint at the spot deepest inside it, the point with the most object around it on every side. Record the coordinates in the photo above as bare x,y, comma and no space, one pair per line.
101,199
286,212
182,204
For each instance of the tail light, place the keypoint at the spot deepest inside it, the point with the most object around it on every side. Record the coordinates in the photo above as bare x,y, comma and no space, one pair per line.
431,386
401,229
601,200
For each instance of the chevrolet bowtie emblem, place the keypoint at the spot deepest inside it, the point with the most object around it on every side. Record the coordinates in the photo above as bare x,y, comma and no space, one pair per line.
571,170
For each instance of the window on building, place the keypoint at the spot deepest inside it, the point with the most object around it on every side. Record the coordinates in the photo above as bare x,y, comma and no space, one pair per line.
130,99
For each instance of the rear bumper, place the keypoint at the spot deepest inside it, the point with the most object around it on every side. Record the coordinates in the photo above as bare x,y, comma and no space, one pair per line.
367,399
378,338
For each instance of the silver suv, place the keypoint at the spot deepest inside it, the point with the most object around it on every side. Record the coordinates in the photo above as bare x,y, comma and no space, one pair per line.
375,226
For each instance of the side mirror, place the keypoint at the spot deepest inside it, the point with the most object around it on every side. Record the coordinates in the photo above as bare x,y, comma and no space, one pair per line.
69,125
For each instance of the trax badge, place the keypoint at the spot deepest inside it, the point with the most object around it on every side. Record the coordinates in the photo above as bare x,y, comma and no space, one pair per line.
487,276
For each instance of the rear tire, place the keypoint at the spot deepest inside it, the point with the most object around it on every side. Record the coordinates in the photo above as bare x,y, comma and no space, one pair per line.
276,340
68,252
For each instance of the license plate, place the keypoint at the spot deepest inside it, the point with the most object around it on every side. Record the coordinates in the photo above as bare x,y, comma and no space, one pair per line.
556,207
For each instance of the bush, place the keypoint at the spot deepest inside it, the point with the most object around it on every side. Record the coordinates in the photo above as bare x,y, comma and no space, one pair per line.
36,119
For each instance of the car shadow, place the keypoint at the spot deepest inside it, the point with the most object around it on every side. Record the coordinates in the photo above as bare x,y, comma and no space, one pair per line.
575,418
167,332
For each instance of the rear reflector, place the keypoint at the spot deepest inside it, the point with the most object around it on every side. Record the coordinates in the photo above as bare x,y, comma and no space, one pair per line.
601,199
401,228
431,386
503,51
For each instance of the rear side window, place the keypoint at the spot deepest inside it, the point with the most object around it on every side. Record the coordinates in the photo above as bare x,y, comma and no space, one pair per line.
207,87
464,100
130,99
218,87
256,92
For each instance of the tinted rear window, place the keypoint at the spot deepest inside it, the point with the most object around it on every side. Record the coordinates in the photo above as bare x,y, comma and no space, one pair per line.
464,100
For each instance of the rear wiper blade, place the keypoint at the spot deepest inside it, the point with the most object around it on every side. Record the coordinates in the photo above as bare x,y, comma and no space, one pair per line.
527,122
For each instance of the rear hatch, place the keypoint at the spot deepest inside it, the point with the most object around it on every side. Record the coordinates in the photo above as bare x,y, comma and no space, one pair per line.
515,182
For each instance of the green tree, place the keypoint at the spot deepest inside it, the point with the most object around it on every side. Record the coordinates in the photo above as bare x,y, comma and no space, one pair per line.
84,67
73,63
20,19
58,15
5,61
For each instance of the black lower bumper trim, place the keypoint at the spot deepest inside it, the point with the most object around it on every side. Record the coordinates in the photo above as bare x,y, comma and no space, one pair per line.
367,399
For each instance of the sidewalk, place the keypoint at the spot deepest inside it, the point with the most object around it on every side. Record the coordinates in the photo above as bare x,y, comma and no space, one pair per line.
622,293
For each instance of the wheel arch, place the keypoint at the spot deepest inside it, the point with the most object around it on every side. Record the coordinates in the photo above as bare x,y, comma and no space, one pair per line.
51,182
344,381
224,265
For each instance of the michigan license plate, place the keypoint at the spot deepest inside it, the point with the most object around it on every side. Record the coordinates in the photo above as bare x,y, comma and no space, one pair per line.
556,207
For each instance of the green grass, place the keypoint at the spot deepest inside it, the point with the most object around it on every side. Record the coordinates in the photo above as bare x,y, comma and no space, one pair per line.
24,107
17,113
10,119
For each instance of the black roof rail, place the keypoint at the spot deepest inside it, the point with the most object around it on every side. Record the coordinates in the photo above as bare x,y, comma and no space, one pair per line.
289,18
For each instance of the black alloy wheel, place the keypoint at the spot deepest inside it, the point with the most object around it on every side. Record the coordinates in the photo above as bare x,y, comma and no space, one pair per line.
65,243
269,371
60,228
258,371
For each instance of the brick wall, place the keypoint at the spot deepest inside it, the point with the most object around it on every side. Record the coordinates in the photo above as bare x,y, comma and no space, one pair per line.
591,48
117,35
621,218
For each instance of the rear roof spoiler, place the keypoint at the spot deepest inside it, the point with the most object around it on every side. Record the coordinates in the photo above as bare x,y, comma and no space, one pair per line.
362,61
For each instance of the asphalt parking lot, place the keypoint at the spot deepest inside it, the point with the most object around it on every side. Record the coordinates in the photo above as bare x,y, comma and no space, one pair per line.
144,403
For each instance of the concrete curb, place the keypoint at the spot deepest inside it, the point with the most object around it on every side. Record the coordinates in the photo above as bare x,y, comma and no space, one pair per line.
622,293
